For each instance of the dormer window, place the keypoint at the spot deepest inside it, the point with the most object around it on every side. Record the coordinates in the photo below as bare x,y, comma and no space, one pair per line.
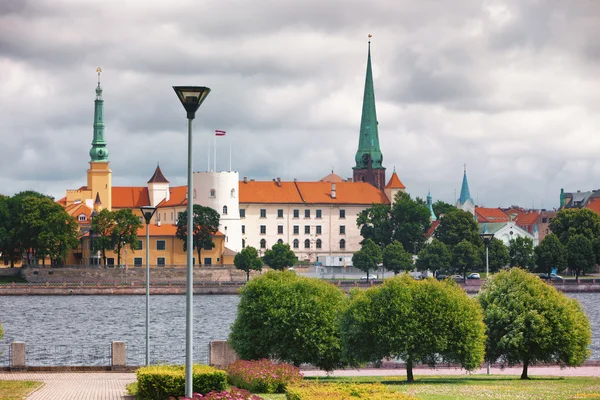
81,218
212,192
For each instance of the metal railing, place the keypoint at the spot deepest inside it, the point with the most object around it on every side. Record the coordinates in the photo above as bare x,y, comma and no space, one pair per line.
68,355
136,356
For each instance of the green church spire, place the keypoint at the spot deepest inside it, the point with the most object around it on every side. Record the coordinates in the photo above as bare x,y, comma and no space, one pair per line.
99,152
368,144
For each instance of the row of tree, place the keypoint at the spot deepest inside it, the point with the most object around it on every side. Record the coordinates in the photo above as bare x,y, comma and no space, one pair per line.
34,226
517,318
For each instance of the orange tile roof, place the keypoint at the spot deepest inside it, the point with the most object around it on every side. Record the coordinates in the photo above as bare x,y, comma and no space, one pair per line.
177,197
130,196
78,209
594,205
527,218
163,230
346,193
269,192
395,183
432,228
62,201
490,215
332,178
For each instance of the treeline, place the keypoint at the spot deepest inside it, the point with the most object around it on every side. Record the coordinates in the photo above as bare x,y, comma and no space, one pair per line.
34,226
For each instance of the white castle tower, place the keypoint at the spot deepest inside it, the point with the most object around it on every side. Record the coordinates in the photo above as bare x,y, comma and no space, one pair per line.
220,190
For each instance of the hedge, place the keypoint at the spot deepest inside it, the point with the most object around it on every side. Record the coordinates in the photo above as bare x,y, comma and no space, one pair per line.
158,382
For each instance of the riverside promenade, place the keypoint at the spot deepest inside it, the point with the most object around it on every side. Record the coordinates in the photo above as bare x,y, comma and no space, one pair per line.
111,385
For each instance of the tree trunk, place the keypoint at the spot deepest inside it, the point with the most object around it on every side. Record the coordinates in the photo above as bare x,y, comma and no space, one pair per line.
247,275
199,259
524,374
409,371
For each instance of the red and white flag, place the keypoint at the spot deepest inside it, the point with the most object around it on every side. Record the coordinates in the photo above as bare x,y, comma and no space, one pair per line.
219,133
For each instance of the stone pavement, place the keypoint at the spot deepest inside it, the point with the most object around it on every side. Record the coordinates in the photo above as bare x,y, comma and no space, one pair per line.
75,385
111,385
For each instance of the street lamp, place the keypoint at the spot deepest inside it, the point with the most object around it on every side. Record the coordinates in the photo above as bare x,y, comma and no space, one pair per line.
191,98
147,212
487,238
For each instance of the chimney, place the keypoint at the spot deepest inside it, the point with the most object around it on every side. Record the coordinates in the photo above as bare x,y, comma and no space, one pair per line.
278,181
245,179
333,194
349,180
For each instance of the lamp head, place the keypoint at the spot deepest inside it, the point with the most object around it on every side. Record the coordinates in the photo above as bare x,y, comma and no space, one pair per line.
191,98
486,237
147,212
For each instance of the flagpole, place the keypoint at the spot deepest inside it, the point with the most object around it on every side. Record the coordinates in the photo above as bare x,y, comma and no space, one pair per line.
215,152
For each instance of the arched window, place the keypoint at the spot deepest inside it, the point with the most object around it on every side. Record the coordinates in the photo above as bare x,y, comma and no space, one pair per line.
307,244
318,243
296,243
243,243
280,241
263,244
232,192
342,244
224,210
212,192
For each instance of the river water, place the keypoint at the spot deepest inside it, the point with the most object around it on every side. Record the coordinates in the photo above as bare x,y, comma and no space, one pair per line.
78,330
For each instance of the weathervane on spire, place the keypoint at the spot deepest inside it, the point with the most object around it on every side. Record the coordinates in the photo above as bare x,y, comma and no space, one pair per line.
370,36
98,70
465,165
98,89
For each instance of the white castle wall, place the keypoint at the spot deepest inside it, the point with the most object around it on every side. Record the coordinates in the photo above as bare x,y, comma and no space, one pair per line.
218,190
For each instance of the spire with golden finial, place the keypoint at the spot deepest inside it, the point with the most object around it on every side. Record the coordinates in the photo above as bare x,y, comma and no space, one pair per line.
98,89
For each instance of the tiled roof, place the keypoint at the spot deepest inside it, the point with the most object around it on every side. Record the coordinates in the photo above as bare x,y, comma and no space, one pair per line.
130,196
395,183
490,215
162,230
432,228
332,178
158,177
76,210
229,252
269,192
346,193
527,218
177,197
62,201
594,205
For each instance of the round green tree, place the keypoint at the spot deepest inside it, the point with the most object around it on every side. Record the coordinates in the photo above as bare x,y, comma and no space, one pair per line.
396,259
368,257
465,257
248,260
580,255
550,254
497,254
435,256
426,321
280,256
529,321
290,318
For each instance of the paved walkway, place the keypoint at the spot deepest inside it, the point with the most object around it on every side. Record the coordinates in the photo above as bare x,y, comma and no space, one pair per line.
111,385
75,385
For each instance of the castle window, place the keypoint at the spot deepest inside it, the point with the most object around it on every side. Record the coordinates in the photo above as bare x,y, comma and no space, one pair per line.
263,244
243,213
194,193
342,244
232,192
243,243
307,244
296,243
319,243
224,210
212,192
280,241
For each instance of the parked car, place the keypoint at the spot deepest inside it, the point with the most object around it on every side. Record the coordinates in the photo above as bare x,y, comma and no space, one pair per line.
552,277
370,277
458,278
441,277
473,275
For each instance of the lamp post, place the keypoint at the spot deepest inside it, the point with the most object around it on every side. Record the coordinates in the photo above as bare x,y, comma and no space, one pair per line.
148,212
487,238
191,98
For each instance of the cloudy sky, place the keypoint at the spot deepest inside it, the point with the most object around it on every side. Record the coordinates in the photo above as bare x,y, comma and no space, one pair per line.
511,88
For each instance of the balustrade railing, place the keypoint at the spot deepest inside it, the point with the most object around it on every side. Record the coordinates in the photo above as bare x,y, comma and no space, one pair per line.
68,355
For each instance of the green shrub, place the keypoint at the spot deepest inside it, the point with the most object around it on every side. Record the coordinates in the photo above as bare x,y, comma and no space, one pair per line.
343,391
262,376
158,382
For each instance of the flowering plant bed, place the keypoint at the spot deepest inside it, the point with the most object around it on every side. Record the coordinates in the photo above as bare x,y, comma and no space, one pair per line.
232,394
262,376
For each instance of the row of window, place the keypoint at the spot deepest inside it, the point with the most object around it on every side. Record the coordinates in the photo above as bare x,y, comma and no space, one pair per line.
296,213
137,261
160,245
296,243
318,230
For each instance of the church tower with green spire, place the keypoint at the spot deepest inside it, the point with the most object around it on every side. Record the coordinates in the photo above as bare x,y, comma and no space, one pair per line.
99,175
368,157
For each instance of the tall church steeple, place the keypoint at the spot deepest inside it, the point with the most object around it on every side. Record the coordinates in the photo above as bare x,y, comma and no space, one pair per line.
465,202
368,157
432,216
99,175
99,152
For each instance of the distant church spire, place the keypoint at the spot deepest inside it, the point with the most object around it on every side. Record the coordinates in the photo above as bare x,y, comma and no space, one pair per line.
99,152
465,202
368,157
432,216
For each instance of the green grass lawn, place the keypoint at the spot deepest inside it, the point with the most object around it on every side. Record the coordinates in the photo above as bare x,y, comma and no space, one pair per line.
17,390
466,387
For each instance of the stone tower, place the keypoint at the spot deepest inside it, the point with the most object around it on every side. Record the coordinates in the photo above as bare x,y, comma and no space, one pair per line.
99,175
368,157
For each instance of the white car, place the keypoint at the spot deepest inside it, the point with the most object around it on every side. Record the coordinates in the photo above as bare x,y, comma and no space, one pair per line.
474,275
370,277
